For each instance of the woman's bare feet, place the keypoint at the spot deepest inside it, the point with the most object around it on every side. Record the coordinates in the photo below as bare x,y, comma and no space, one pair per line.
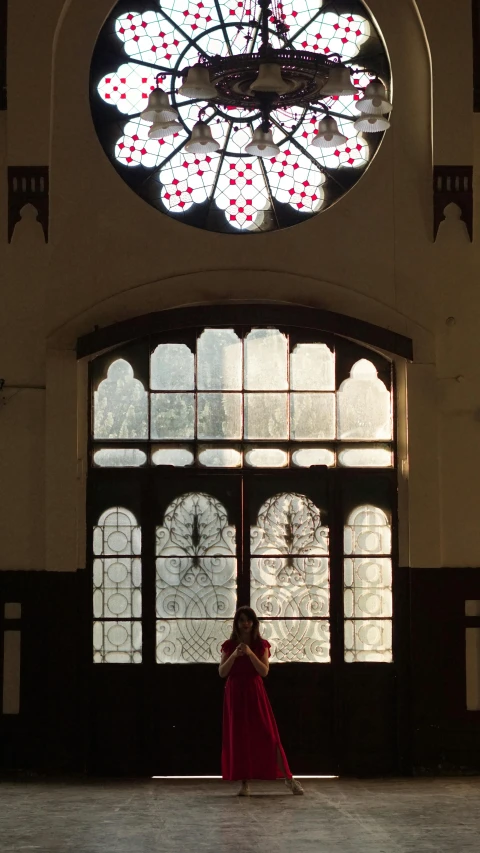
244,789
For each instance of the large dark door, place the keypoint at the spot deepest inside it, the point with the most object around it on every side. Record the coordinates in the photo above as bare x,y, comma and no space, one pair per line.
164,718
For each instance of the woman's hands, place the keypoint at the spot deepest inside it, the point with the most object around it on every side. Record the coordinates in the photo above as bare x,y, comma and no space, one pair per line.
244,649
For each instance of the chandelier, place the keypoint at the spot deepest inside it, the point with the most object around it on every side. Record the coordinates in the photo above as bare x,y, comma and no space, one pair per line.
263,81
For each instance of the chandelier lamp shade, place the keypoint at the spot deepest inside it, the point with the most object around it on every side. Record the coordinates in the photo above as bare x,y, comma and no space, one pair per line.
328,135
267,80
242,117
201,140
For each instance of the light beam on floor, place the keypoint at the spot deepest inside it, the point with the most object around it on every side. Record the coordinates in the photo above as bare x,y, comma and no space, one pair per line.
257,780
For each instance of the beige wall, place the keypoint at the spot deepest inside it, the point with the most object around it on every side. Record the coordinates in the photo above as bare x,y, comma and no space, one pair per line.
111,257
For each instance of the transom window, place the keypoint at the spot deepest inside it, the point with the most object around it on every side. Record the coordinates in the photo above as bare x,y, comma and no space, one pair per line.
232,398
242,465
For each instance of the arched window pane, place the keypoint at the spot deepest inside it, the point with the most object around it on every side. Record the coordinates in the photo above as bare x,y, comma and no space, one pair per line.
266,360
196,574
120,404
172,368
290,569
312,368
117,588
368,586
364,405
219,360
117,533
367,531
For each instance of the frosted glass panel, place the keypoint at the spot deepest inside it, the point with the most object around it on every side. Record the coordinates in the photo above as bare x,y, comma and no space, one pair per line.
196,588
312,368
289,523
195,525
265,416
363,404
291,587
120,404
191,640
172,368
367,532
219,416
115,457
117,642
266,457
368,588
308,456
297,640
265,360
117,588
312,416
117,533
368,641
365,457
177,456
219,360
220,457
173,415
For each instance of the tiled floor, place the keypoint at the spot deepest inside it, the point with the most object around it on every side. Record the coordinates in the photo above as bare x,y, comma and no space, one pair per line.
334,816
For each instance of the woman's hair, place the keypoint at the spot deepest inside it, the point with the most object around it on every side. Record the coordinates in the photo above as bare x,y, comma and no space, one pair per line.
247,611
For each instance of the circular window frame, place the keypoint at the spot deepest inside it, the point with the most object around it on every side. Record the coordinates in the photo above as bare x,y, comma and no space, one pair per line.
109,123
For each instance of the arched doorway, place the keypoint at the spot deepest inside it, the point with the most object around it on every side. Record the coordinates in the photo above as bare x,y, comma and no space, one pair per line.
235,464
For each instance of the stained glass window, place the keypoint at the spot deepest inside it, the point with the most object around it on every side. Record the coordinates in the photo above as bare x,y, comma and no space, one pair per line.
117,588
368,586
289,586
229,190
196,579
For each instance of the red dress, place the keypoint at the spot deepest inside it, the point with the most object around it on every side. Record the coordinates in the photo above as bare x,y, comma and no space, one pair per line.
250,734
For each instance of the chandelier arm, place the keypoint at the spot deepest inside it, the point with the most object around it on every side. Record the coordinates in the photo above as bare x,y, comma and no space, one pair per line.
224,29
269,190
323,109
223,154
255,26
159,68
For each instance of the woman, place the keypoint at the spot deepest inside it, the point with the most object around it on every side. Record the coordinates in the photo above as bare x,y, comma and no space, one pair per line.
251,747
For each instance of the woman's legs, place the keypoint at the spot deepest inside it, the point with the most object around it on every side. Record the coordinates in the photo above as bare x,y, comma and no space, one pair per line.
290,782
281,764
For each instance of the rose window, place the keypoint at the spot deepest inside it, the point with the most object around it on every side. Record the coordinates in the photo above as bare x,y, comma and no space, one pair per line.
145,45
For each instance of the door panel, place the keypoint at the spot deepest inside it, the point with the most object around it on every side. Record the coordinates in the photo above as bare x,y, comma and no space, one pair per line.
165,718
